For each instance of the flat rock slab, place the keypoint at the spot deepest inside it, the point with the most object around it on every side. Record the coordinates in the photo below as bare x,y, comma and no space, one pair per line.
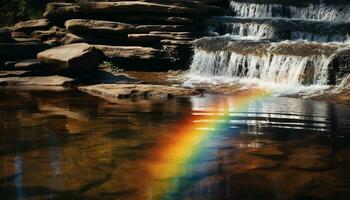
37,24
12,73
130,52
98,26
37,81
124,91
77,58
28,64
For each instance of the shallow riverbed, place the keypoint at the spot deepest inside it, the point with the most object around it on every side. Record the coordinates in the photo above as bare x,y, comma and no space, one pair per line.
64,144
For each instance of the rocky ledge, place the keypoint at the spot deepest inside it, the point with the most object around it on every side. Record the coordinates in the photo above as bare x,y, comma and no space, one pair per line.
36,81
144,35
125,91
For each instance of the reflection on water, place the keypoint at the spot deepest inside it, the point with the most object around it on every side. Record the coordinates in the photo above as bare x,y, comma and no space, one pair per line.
68,145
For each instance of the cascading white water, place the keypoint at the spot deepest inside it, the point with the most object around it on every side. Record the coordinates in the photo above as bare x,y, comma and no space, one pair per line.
252,10
297,35
321,12
268,66
311,12
281,69
250,30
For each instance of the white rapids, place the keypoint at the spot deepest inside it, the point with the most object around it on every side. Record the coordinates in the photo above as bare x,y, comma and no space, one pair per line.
278,71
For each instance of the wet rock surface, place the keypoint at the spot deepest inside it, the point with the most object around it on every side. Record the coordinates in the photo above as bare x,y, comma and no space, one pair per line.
126,91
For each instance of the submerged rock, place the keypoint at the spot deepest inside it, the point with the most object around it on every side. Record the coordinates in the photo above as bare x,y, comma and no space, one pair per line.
124,91
74,58
314,158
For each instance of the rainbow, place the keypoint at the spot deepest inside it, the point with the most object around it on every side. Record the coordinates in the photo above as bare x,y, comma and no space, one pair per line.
187,143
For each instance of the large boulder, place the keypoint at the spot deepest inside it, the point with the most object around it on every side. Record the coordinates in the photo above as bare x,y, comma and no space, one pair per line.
79,58
339,66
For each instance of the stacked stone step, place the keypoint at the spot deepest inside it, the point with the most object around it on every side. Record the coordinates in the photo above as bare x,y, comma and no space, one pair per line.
134,34
161,30
19,43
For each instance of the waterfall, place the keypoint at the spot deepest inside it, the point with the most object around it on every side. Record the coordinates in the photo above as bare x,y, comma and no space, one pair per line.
311,12
281,69
252,10
298,35
301,63
321,12
250,30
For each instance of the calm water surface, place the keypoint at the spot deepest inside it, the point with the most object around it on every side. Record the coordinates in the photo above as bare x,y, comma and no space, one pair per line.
70,145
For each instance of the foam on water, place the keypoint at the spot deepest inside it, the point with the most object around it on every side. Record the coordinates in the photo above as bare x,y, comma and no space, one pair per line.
284,69
284,74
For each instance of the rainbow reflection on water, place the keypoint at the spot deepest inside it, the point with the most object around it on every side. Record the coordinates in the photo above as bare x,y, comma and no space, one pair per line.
180,153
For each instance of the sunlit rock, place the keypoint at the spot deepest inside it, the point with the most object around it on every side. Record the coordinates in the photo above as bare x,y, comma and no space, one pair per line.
125,91
27,26
74,58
